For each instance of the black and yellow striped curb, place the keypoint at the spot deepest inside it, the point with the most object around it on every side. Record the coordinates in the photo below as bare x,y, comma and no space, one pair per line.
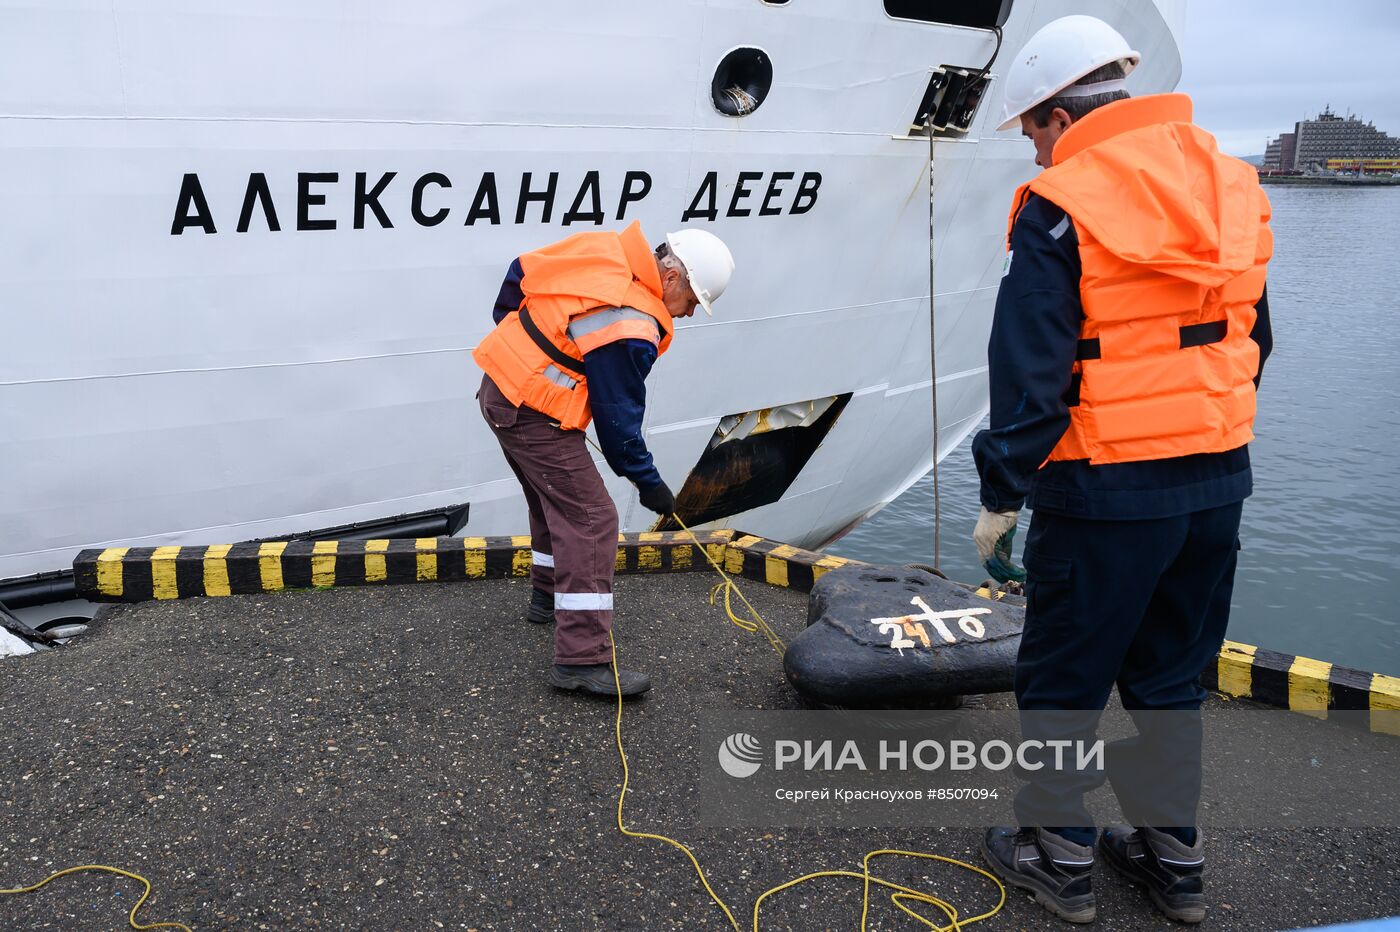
1313,687
138,574
778,564
794,568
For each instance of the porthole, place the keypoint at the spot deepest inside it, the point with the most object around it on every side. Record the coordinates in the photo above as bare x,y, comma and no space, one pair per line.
741,82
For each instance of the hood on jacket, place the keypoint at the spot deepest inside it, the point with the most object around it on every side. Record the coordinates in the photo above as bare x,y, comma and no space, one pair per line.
1155,190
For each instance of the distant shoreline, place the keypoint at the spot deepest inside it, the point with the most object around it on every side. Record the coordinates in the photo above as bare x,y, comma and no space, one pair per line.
1346,182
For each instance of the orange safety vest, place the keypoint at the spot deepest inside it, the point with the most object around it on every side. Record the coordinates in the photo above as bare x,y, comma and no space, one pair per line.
1173,243
580,293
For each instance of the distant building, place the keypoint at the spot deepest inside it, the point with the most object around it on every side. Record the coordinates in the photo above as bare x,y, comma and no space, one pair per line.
1273,154
1313,142
1280,152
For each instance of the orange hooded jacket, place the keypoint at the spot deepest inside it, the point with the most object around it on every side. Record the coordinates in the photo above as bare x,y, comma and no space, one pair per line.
1173,243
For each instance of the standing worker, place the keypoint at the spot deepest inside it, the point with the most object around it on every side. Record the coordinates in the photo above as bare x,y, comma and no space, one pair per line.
1130,330
578,326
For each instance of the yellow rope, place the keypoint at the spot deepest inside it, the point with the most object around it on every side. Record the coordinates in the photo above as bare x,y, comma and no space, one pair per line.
905,893
728,586
131,918
901,894
756,625
621,797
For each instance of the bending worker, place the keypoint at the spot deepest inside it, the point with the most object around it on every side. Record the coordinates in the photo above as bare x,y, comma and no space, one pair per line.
579,325
1129,333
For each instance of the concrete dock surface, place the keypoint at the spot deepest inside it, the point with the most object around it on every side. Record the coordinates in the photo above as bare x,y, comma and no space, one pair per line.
392,758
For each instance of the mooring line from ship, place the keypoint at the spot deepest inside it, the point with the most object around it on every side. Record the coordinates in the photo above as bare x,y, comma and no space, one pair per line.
933,312
901,897
933,347
131,917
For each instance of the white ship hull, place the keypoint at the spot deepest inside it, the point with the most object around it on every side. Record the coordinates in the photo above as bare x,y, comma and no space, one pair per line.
168,379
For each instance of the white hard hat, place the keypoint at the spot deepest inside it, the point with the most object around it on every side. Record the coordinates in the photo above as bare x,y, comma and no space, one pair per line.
708,263
1060,53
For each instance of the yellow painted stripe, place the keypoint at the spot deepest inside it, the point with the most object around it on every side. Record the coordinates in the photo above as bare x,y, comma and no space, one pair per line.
216,570
1308,690
270,565
520,560
323,563
648,558
747,540
786,551
620,563
733,559
1385,704
475,556
826,565
521,540
719,553
375,568
681,557
427,559
651,537
163,584
109,571
775,570
1234,669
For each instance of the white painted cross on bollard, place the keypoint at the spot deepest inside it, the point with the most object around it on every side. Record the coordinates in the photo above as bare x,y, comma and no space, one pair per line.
904,628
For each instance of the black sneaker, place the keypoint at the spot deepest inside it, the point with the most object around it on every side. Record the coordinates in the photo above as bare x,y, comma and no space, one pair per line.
541,610
597,678
1170,869
1056,870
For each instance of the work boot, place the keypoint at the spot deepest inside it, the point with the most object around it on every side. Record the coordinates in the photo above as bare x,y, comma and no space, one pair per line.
541,610
1169,868
597,678
1052,867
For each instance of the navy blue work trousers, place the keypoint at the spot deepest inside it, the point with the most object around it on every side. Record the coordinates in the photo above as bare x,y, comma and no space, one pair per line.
1141,604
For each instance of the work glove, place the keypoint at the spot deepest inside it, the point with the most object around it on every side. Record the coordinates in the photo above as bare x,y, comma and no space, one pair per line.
993,535
658,498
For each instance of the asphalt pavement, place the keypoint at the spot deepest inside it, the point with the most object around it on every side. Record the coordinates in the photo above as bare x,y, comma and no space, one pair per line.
392,758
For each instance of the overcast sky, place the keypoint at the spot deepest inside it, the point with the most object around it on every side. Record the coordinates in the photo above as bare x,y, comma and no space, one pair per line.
1255,67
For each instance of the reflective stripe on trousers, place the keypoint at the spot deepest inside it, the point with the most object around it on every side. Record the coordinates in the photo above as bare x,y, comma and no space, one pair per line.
583,601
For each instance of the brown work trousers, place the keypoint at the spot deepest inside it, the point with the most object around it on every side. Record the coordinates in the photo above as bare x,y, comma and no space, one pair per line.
573,523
